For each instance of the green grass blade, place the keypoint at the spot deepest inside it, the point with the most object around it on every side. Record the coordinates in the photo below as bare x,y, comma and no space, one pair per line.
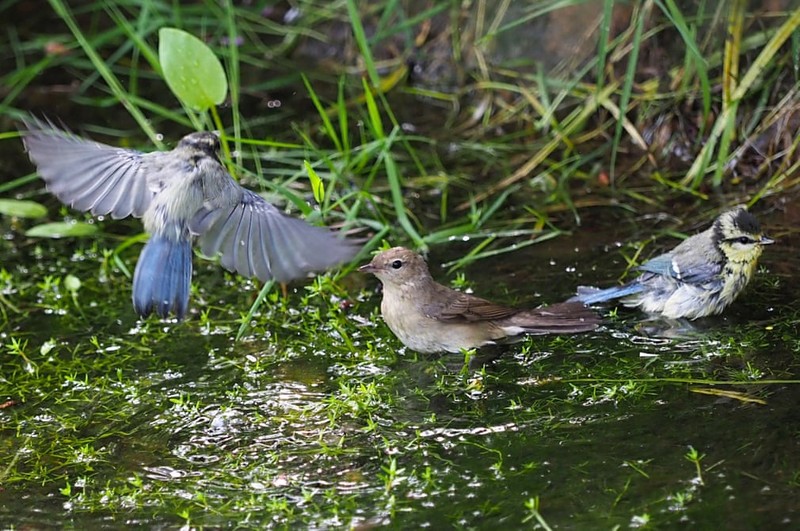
375,122
341,112
695,174
396,189
234,77
602,41
245,324
673,12
766,55
363,43
326,122
627,87
111,80
147,51
733,45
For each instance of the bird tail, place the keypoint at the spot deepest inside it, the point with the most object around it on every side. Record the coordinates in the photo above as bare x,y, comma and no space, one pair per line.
589,295
562,318
163,277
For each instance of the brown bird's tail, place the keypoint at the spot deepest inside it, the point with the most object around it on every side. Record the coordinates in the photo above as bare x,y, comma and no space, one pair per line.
560,318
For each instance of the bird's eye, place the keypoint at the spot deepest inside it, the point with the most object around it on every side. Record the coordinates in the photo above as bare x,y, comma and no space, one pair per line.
397,264
744,240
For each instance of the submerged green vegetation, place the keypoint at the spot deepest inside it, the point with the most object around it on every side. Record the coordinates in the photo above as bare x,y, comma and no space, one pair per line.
518,143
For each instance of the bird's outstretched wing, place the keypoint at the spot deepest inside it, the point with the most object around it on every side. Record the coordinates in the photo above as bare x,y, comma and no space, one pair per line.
87,175
454,306
255,239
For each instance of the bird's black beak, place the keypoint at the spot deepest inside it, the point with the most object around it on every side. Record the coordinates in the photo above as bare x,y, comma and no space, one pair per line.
765,240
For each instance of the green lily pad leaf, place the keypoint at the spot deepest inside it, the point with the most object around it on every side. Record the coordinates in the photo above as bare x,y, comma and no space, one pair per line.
62,229
317,186
191,70
22,209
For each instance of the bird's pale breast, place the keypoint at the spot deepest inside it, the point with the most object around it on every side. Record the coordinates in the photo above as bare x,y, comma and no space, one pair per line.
401,312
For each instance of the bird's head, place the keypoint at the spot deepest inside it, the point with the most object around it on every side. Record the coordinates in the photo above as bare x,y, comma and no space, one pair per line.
205,142
398,266
738,235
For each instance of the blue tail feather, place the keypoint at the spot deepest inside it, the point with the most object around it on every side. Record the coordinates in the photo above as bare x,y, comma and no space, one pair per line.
162,278
589,295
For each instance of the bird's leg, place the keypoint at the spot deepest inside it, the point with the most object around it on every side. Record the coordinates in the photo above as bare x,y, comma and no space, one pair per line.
485,356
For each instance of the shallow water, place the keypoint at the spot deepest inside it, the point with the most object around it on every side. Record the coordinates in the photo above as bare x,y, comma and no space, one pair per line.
319,418
163,424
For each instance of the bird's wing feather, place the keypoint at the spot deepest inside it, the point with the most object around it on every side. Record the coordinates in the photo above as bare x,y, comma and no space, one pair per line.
256,239
660,265
701,272
563,317
87,175
693,268
456,306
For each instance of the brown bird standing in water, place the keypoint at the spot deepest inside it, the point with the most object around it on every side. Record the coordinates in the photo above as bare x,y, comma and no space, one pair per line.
429,317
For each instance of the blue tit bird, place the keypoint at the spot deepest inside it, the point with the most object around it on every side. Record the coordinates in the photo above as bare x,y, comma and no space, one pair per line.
699,277
181,195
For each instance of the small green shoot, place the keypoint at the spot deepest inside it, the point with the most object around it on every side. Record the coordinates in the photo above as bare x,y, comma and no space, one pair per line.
532,506
695,457
317,186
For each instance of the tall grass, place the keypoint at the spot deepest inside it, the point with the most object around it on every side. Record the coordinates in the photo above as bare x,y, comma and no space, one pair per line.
482,156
